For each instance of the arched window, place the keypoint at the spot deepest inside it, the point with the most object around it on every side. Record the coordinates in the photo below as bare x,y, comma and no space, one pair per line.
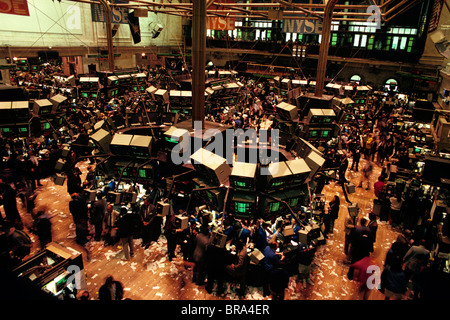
355,79
391,85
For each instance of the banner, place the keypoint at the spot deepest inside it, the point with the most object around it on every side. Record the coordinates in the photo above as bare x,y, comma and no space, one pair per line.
174,63
302,26
219,23
118,14
18,7
133,22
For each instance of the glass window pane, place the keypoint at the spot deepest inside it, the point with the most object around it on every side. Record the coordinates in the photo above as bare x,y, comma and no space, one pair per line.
288,36
356,41
363,41
403,43
257,34
395,43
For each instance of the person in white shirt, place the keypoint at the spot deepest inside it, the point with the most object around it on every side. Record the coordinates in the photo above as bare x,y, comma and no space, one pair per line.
396,206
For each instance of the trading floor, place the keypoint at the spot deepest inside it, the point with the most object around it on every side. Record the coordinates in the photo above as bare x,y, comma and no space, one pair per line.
149,275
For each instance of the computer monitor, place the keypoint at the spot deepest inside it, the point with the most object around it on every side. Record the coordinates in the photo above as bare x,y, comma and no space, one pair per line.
274,207
243,204
22,129
7,130
46,126
242,207
145,172
243,176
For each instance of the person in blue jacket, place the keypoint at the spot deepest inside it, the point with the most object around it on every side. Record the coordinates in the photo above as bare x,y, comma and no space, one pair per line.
241,233
271,262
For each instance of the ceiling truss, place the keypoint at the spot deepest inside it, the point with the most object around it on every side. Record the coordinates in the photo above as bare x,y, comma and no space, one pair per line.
389,9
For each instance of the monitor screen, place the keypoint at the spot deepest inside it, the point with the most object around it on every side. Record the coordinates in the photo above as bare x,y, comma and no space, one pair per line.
45,126
277,183
84,94
313,133
146,172
293,202
274,206
241,207
126,172
325,134
168,139
240,184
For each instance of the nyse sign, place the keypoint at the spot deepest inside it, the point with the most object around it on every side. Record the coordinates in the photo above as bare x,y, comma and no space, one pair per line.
302,26
118,15
218,23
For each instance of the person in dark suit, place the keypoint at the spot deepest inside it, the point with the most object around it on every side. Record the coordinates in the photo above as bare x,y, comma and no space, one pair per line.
238,271
201,242
216,262
129,225
98,214
361,243
9,201
111,290
79,211
74,181
171,233
43,227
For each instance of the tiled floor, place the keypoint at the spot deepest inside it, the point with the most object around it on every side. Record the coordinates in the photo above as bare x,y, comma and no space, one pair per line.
150,276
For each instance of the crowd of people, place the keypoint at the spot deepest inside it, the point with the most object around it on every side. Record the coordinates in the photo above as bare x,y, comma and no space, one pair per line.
371,137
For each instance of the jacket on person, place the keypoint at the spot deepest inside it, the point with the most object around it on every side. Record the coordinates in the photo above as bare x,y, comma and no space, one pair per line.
129,224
